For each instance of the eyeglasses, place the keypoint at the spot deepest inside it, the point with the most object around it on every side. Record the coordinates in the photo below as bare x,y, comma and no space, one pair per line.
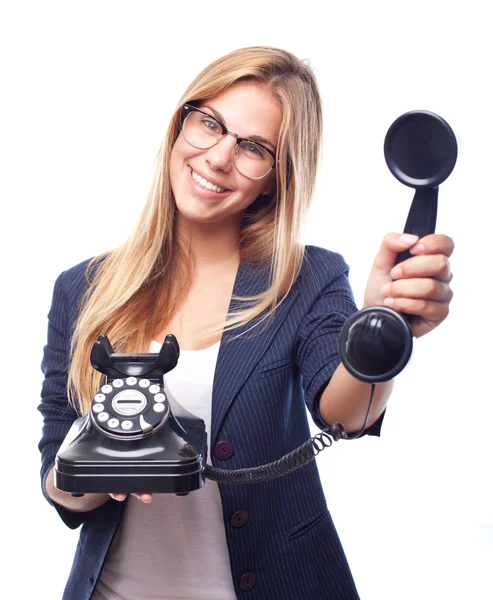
202,130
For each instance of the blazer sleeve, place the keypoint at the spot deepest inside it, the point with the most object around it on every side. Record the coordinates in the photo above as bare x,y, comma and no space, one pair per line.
318,335
58,415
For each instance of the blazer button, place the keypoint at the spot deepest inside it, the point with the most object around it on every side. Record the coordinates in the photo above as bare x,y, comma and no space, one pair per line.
247,581
239,518
224,450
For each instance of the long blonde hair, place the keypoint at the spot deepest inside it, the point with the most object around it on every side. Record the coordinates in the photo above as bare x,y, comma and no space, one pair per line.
135,289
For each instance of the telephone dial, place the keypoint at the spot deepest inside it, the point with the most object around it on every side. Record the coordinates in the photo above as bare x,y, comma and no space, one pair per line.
138,438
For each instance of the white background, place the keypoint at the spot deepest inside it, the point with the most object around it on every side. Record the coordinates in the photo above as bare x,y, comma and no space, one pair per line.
87,92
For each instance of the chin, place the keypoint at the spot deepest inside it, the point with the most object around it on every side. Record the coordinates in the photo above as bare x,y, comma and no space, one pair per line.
196,215
200,211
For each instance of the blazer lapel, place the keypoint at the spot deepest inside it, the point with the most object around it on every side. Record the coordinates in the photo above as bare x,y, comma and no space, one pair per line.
238,356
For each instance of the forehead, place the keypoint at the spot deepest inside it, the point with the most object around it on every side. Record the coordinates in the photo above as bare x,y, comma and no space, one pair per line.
248,109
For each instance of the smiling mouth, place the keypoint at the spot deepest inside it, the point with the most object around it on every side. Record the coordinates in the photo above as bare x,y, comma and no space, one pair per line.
207,185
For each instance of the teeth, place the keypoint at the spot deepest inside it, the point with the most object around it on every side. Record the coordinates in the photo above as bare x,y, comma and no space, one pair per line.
206,184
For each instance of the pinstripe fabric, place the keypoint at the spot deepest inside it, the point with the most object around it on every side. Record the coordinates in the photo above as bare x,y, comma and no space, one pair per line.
263,380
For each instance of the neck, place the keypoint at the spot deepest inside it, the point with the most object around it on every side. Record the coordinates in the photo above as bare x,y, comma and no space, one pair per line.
211,243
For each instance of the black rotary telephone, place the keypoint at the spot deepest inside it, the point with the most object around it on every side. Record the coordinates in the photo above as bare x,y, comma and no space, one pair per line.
138,438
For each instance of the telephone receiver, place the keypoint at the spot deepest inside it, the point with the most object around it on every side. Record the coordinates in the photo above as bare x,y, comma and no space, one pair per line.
420,150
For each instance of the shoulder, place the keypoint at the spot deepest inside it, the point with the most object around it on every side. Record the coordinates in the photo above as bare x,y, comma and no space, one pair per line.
322,265
74,281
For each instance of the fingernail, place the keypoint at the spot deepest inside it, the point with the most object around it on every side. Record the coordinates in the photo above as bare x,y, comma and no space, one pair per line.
396,273
388,301
408,238
385,290
418,249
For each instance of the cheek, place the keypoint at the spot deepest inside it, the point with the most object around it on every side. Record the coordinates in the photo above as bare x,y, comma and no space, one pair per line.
255,192
253,189
182,151
178,152
175,156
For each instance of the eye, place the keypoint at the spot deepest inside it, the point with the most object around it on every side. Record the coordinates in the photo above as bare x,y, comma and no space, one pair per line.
211,125
252,150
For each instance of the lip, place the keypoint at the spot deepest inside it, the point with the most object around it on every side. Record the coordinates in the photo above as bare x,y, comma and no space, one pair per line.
203,192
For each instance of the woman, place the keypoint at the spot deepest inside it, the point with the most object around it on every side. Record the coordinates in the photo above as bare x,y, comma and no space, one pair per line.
216,260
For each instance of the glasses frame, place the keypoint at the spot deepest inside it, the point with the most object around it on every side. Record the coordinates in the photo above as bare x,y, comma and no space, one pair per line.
187,109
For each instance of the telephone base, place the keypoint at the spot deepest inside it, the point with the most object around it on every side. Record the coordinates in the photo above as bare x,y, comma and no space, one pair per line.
170,461
136,479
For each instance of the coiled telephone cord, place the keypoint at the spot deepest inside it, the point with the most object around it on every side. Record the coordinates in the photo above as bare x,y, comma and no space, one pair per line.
290,462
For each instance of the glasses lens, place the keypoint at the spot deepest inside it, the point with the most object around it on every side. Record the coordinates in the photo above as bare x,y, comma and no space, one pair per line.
252,160
201,131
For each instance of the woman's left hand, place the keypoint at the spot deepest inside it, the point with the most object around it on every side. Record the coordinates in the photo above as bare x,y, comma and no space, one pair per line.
417,286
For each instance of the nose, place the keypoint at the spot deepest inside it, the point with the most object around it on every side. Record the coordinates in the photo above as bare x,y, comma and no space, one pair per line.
220,156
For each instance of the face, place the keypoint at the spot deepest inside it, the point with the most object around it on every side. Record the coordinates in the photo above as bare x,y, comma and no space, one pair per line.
248,110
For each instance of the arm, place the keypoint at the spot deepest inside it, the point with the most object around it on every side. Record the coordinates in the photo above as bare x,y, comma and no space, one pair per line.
58,415
346,399
419,286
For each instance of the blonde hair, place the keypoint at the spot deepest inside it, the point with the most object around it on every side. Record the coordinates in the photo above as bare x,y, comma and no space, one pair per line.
135,289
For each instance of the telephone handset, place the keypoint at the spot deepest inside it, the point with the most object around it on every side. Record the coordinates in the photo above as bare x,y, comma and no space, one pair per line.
420,150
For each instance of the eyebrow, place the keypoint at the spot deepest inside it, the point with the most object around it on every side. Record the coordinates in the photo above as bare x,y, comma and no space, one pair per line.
255,138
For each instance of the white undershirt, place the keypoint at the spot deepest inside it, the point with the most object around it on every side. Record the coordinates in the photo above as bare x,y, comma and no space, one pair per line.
174,548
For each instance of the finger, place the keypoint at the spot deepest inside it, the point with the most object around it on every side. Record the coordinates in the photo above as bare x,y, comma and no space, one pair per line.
435,243
424,266
426,289
392,244
144,497
119,497
427,309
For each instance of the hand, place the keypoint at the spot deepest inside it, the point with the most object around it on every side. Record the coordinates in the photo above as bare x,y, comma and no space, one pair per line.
418,286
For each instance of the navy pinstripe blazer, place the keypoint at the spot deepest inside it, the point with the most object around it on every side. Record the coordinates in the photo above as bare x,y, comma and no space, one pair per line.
288,547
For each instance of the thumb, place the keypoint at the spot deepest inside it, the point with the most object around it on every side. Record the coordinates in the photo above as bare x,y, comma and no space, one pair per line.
392,244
